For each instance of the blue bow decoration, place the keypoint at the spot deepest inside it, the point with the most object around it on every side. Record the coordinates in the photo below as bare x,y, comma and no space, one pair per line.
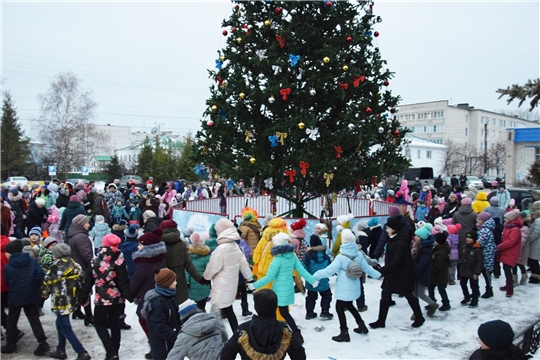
222,114
219,64
273,140
294,59
230,184
200,170
368,33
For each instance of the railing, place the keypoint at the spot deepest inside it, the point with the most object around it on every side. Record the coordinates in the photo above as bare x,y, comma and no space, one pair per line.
529,339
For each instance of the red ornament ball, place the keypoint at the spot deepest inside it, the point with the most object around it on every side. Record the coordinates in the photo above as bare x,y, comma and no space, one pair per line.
236,7
393,111
368,110
376,34
278,10
328,4
224,32
349,39
210,123
386,83
233,29
362,78
396,133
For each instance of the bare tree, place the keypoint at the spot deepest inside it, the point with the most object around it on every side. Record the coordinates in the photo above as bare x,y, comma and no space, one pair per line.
65,121
497,157
460,158
533,115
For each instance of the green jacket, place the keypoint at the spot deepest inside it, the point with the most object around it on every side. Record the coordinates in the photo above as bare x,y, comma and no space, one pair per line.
200,256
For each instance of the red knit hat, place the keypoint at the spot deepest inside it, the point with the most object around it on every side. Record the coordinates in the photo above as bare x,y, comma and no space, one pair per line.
153,237
169,224
300,224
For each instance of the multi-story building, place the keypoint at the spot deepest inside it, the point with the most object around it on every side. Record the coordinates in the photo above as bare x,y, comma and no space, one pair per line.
424,153
522,150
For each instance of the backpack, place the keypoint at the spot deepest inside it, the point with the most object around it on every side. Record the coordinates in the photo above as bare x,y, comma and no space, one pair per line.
354,270
147,307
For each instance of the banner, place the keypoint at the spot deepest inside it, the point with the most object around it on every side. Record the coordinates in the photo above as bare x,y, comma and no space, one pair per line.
201,222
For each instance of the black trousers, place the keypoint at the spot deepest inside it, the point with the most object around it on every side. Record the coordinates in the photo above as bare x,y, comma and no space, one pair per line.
201,304
386,296
32,314
284,311
340,310
474,287
229,314
110,315
5,305
442,292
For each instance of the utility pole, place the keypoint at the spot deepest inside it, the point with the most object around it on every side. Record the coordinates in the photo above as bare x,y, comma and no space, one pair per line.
485,146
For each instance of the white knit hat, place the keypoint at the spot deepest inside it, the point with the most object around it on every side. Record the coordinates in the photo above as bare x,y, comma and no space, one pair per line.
344,218
281,239
347,236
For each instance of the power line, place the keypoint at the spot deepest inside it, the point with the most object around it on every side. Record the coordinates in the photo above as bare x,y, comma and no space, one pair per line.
135,115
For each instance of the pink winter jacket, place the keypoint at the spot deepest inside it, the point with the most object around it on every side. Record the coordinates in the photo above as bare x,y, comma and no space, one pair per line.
524,251
510,245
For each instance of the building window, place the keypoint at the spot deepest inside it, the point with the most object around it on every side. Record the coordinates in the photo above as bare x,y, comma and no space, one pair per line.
509,136
408,153
436,141
418,154
466,118
428,154
493,121
481,146
537,153
466,132
413,116
129,157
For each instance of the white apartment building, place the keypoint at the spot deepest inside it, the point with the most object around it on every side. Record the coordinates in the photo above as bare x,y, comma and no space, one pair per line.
438,121
424,153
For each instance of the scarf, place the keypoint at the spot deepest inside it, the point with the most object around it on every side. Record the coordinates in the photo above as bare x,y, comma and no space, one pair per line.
228,235
165,291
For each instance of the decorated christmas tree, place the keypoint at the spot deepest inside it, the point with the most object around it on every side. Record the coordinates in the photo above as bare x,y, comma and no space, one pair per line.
301,101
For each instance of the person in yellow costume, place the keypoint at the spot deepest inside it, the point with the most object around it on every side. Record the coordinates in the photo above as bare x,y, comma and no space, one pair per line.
262,257
344,222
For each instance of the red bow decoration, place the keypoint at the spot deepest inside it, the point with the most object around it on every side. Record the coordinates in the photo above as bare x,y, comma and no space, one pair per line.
219,80
281,41
358,80
304,165
344,86
291,174
284,93
338,151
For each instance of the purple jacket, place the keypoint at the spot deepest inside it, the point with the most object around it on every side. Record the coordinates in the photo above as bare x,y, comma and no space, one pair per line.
453,241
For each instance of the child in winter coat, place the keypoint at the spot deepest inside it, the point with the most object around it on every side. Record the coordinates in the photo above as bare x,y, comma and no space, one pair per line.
54,223
439,269
347,289
46,255
317,259
422,211
201,337
281,272
63,281
118,212
470,267
161,313
434,213
523,252
119,229
200,256
453,241
297,238
344,222
242,283
509,248
129,246
108,273
98,232
34,247
422,265
485,225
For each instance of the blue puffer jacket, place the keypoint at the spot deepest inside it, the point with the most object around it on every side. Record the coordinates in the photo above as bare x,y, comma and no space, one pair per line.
347,289
128,247
281,272
317,259
24,277
487,240
422,262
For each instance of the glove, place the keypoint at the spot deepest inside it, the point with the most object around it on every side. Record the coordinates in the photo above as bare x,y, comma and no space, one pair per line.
203,281
315,284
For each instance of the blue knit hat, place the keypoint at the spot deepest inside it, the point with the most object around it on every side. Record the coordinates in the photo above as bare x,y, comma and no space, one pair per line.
36,230
373,221
424,232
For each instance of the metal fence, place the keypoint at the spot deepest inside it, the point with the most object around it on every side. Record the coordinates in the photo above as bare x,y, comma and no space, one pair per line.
529,339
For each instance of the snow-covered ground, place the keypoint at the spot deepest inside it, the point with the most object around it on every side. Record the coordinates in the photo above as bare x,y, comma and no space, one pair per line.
447,335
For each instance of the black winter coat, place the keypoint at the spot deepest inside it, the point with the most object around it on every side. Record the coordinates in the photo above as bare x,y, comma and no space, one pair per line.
73,209
23,276
17,207
374,237
467,218
163,325
62,201
398,269
440,260
152,224
99,206
471,261
422,262
36,215
263,337
384,237
512,353
82,250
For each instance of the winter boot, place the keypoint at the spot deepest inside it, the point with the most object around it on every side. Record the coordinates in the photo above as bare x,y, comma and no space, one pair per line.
534,279
343,336
361,329
77,314
432,309
311,315
383,313
42,349
245,310
362,308
418,322
473,303
83,356
9,349
488,293
465,300
298,335
509,289
415,307
148,356
58,354
515,281
445,306
88,320
524,278
325,314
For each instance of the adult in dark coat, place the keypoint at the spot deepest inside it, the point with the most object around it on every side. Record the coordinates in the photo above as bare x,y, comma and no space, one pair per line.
454,181
467,218
17,203
177,259
439,270
445,190
263,337
383,240
438,182
451,207
398,273
150,203
73,209
151,221
37,214
99,205
151,255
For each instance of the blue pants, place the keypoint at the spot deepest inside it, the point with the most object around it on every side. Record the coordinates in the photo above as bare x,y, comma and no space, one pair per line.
311,299
65,332
361,301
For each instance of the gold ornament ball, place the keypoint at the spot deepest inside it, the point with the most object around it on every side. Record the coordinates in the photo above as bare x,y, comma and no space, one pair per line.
326,60
267,23
345,68
252,160
222,58
242,95
214,107
239,40
301,125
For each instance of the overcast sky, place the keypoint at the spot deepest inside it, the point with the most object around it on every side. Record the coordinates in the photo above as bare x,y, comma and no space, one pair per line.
146,63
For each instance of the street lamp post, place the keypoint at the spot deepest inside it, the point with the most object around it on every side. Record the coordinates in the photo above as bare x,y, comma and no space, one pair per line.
485,146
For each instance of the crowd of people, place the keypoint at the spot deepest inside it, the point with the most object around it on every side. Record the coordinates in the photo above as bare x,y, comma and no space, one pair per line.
68,241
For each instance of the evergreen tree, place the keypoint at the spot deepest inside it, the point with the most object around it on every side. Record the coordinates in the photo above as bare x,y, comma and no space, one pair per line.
187,161
145,159
531,90
115,169
15,150
301,100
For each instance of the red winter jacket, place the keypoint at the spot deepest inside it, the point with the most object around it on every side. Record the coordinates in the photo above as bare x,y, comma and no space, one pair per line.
510,245
4,240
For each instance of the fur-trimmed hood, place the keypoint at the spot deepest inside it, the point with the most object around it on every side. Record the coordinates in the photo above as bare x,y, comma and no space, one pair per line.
278,354
118,227
199,250
17,197
282,249
150,251
316,248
